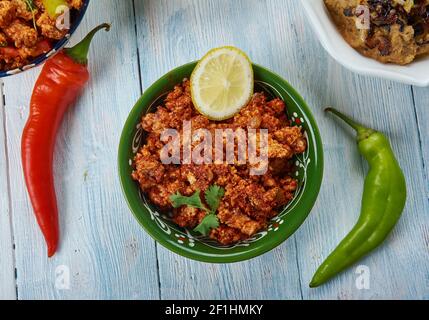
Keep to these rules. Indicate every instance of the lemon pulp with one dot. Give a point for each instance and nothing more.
(222, 83)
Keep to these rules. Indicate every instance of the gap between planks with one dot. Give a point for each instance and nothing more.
(8, 191)
(419, 133)
(141, 93)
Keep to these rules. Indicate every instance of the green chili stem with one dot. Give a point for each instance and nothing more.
(79, 52)
(361, 131)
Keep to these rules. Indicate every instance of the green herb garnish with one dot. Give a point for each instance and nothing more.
(210, 221)
(32, 8)
(193, 201)
(30, 5)
(213, 196)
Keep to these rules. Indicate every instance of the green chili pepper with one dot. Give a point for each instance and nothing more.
(383, 202)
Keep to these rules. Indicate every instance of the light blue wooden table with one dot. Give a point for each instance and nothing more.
(104, 251)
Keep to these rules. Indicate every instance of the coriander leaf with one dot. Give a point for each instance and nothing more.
(30, 5)
(193, 201)
(209, 222)
(213, 196)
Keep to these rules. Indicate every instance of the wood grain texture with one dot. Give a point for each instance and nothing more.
(104, 249)
(276, 35)
(171, 33)
(7, 263)
(399, 268)
(421, 98)
(110, 256)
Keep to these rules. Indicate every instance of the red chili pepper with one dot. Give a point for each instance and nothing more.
(61, 81)
(9, 52)
(43, 46)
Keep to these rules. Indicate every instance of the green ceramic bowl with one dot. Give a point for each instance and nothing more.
(309, 171)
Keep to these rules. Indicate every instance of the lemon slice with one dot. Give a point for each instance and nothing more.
(222, 83)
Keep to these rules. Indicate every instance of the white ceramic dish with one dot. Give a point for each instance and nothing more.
(417, 73)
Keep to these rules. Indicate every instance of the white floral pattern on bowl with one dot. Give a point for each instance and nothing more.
(187, 238)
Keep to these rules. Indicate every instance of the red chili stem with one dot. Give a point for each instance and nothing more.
(79, 53)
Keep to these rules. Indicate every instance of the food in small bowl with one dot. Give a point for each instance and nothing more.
(213, 210)
(31, 30)
(246, 202)
(389, 31)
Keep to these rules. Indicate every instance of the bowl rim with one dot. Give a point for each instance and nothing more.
(123, 163)
(58, 46)
(401, 74)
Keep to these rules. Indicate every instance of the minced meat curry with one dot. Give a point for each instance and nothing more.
(250, 201)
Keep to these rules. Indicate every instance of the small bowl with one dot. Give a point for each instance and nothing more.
(416, 73)
(57, 47)
(309, 171)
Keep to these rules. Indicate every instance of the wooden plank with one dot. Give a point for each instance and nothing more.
(398, 269)
(174, 32)
(421, 100)
(103, 249)
(7, 263)
(108, 254)
(275, 34)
